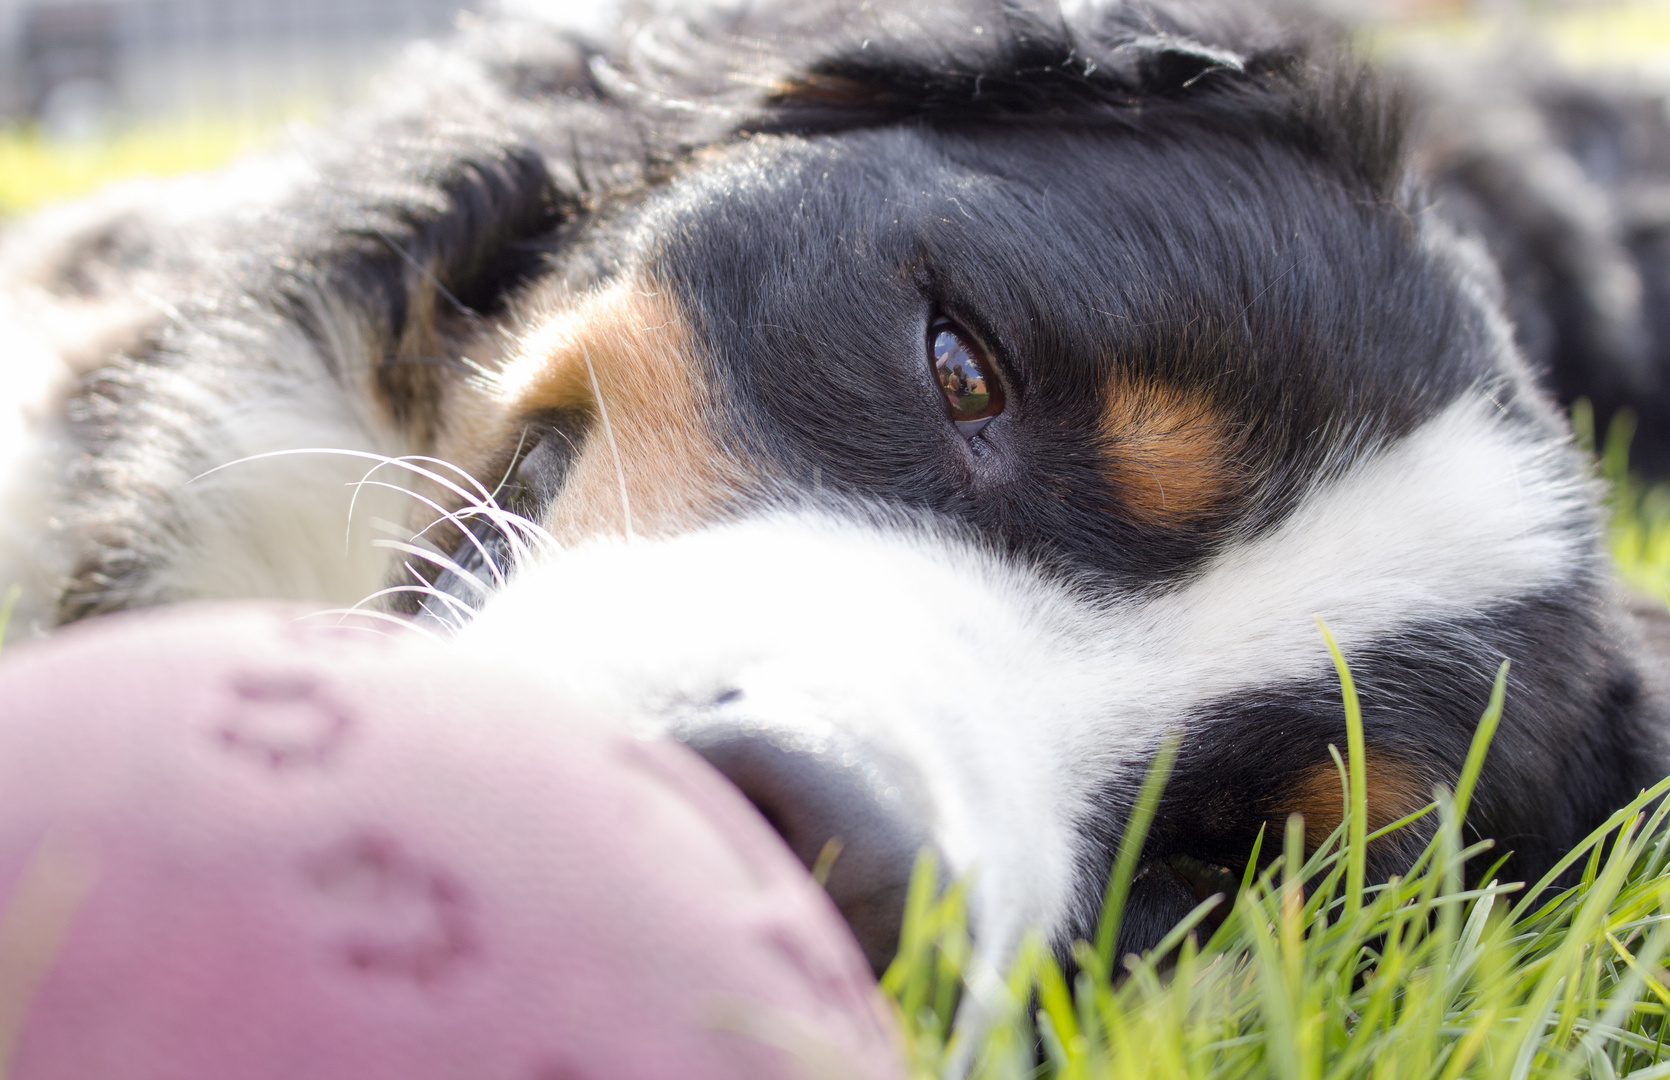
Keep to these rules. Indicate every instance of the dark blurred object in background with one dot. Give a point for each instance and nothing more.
(77, 66)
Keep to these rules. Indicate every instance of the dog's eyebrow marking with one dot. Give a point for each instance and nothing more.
(626, 352)
(1396, 789)
(1168, 451)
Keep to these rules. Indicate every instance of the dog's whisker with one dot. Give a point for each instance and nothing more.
(364, 455)
(420, 590)
(609, 437)
(438, 559)
(410, 462)
(507, 521)
(407, 463)
(482, 494)
(463, 611)
(450, 516)
(510, 469)
(353, 504)
(523, 539)
(358, 611)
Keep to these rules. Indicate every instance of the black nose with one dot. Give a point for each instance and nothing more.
(814, 794)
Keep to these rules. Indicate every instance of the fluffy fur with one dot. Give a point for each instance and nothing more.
(623, 342)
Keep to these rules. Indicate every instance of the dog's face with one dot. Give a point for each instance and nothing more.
(925, 478)
(922, 432)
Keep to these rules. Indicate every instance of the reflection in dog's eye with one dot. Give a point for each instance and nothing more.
(966, 377)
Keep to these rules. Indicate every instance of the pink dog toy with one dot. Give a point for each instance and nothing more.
(239, 846)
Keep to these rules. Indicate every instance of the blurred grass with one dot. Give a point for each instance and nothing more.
(1610, 36)
(8, 604)
(1639, 533)
(35, 170)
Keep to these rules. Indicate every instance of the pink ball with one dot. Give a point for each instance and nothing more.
(239, 846)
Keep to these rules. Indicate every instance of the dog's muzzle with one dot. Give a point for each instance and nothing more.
(874, 692)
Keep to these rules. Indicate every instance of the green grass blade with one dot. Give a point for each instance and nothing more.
(1130, 850)
(1357, 761)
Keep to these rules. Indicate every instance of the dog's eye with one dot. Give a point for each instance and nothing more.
(967, 377)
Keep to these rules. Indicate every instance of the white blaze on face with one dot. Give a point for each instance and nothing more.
(1016, 699)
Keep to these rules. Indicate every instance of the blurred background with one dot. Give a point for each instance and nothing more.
(92, 90)
(95, 89)
(77, 66)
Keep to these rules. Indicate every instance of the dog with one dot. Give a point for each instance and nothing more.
(922, 411)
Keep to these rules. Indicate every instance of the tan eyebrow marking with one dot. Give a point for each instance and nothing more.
(1168, 451)
(660, 467)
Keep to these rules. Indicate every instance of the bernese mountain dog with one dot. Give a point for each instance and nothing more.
(921, 409)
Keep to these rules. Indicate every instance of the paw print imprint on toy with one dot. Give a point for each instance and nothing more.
(392, 913)
(283, 720)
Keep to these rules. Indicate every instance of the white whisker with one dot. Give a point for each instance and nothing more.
(483, 496)
(430, 591)
(358, 612)
(439, 560)
(521, 537)
(464, 610)
(455, 517)
(609, 436)
(509, 470)
(353, 502)
(365, 455)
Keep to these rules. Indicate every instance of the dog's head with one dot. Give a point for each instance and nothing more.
(1002, 394)
(938, 412)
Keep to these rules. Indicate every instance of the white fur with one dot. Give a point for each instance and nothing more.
(1015, 698)
(32, 453)
(268, 521)
(49, 338)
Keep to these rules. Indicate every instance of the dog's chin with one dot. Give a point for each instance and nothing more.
(876, 693)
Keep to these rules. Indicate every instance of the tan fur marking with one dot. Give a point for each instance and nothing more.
(1395, 790)
(1168, 450)
(814, 88)
(632, 343)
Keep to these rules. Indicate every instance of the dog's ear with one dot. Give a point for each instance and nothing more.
(1165, 64)
(346, 313)
(1237, 67)
(997, 62)
(1036, 75)
(435, 212)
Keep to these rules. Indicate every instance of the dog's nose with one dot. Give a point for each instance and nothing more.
(849, 807)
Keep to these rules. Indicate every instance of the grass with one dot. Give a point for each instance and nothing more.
(35, 170)
(1608, 36)
(1316, 974)
(1639, 536)
(8, 604)
(1421, 978)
